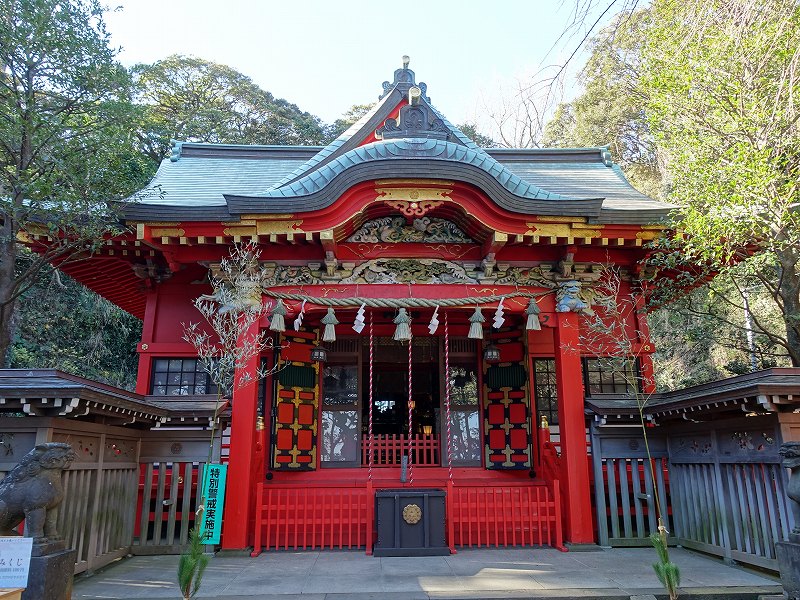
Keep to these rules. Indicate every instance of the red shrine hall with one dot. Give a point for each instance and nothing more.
(425, 297)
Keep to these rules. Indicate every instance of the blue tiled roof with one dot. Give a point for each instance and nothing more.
(410, 149)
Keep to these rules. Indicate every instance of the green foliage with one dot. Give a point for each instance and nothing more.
(721, 80)
(191, 566)
(471, 131)
(342, 124)
(667, 572)
(191, 99)
(65, 107)
(62, 325)
(610, 111)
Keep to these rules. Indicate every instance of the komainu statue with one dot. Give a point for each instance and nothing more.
(33, 491)
(790, 453)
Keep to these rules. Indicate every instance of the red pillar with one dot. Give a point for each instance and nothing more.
(143, 373)
(572, 430)
(241, 485)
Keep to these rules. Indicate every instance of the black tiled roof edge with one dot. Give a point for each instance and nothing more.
(739, 389)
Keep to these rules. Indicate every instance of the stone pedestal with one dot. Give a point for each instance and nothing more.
(50, 576)
(789, 565)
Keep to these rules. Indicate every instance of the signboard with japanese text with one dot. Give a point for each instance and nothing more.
(214, 493)
(15, 561)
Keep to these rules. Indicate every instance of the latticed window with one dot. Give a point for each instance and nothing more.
(180, 377)
(545, 390)
(608, 375)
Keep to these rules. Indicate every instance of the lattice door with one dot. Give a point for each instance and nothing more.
(296, 404)
(507, 407)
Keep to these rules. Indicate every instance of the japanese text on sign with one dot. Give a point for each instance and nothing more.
(15, 561)
(214, 493)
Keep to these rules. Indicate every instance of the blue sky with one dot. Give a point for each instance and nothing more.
(327, 56)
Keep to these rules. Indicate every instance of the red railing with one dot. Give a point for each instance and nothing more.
(307, 518)
(523, 515)
(335, 517)
(388, 450)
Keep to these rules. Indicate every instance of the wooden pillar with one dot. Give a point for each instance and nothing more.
(240, 494)
(644, 348)
(143, 372)
(572, 430)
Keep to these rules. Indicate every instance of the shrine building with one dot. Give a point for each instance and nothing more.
(425, 297)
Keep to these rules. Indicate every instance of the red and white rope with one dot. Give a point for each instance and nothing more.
(447, 398)
(371, 363)
(410, 420)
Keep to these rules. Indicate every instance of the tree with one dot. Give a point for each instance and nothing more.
(611, 109)
(195, 100)
(722, 81)
(343, 123)
(471, 131)
(64, 113)
(87, 335)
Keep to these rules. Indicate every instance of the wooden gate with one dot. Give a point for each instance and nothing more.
(626, 493)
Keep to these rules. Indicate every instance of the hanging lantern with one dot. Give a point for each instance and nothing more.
(403, 322)
(330, 321)
(427, 429)
(298, 322)
(319, 354)
(278, 323)
(491, 353)
(533, 316)
(476, 327)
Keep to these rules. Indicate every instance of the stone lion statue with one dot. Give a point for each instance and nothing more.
(33, 491)
(790, 453)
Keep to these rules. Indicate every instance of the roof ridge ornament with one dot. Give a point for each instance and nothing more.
(404, 80)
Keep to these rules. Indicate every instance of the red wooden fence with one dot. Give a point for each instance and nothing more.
(304, 518)
(523, 515)
(331, 516)
(388, 450)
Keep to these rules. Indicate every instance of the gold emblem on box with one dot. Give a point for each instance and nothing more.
(412, 514)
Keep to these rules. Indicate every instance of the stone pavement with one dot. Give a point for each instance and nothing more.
(619, 573)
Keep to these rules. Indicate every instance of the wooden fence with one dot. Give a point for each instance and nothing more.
(333, 516)
(625, 490)
(729, 489)
(388, 450)
(102, 515)
(720, 484)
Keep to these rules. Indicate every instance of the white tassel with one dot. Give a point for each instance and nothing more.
(298, 322)
(434, 324)
(330, 321)
(476, 327)
(278, 323)
(533, 316)
(403, 322)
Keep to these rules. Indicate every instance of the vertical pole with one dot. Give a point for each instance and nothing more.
(241, 487)
(410, 418)
(572, 429)
(143, 373)
(371, 376)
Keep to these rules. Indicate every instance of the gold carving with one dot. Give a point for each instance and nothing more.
(414, 208)
(412, 514)
(564, 230)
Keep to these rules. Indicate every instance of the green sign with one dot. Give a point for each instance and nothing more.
(214, 493)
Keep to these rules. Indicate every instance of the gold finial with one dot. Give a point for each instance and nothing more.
(406, 60)
(545, 424)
